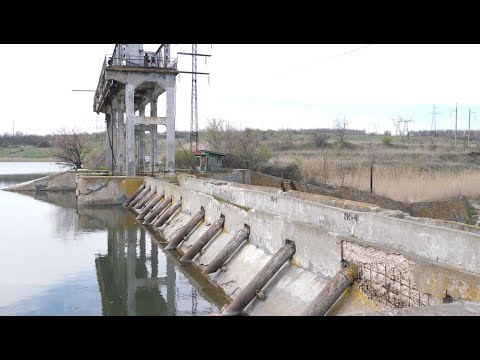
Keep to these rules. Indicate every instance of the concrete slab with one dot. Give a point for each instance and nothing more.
(288, 293)
(461, 308)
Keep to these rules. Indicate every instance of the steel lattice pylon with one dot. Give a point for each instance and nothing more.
(194, 110)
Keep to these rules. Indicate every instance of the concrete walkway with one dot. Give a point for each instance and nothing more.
(460, 308)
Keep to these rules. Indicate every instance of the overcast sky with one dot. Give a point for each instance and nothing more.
(262, 86)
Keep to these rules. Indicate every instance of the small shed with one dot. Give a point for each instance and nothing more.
(209, 160)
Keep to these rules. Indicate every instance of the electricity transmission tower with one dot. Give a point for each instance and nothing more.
(194, 108)
(401, 127)
(194, 102)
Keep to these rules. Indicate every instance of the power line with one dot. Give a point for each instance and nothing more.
(348, 52)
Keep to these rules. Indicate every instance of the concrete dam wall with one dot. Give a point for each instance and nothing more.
(300, 243)
(56, 182)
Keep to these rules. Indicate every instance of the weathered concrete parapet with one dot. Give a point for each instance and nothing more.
(317, 257)
(101, 190)
(57, 182)
(431, 241)
(402, 260)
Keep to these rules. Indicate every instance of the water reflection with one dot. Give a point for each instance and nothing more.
(137, 278)
(90, 261)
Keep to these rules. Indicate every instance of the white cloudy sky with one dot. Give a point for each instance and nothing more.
(263, 86)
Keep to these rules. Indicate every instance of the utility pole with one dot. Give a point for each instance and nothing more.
(468, 135)
(469, 114)
(433, 130)
(456, 113)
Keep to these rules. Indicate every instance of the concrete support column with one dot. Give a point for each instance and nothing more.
(113, 136)
(153, 135)
(115, 117)
(153, 151)
(141, 142)
(130, 131)
(121, 136)
(170, 156)
(108, 151)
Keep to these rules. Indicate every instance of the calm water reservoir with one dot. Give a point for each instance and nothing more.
(60, 259)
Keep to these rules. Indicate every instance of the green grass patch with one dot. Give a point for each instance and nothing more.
(25, 152)
(472, 212)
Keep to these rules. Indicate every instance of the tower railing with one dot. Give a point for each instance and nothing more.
(152, 60)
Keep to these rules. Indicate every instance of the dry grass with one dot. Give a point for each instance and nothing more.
(415, 178)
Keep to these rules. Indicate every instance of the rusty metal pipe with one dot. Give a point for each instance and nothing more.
(145, 200)
(260, 280)
(332, 291)
(139, 197)
(185, 230)
(203, 240)
(167, 214)
(157, 210)
(150, 206)
(227, 251)
(129, 200)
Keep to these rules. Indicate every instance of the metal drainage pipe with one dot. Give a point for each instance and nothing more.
(332, 291)
(185, 230)
(167, 214)
(157, 210)
(203, 240)
(139, 197)
(150, 206)
(145, 200)
(135, 194)
(260, 280)
(227, 251)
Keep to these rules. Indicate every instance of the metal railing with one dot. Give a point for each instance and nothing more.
(149, 61)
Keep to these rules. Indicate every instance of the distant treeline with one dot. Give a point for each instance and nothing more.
(26, 140)
(7, 139)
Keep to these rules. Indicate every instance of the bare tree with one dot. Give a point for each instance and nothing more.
(71, 147)
(320, 139)
(324, 155)
(214, 134)
(340, 126)
(249, 148)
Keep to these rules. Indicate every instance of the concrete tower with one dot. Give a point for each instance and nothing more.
(132, 78)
